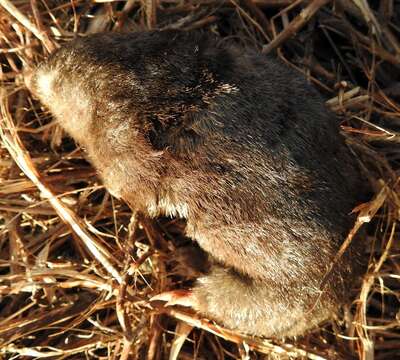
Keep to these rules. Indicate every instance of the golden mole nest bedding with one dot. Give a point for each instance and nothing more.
(77, 276)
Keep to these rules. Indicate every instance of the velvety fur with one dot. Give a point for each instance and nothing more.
(235, 142)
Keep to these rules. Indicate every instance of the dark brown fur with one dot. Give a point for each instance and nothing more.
(235, 142)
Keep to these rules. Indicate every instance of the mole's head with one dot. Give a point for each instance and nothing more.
(151, 82)
(58, 86)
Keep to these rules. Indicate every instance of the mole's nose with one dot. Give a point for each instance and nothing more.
(28, 79)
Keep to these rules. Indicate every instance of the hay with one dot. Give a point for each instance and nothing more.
(75, 281)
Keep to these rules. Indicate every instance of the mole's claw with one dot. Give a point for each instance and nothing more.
(177, 297)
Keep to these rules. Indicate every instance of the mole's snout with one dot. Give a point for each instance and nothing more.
(28, 79)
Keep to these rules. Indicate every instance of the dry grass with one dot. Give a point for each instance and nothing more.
(75, 281)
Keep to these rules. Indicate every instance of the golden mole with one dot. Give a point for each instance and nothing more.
(236, 143)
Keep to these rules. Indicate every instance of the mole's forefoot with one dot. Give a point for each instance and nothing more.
(177, 297)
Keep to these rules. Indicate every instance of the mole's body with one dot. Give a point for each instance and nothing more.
(234, 142)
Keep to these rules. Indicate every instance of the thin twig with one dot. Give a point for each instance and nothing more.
(49, 45)
(295, 25)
